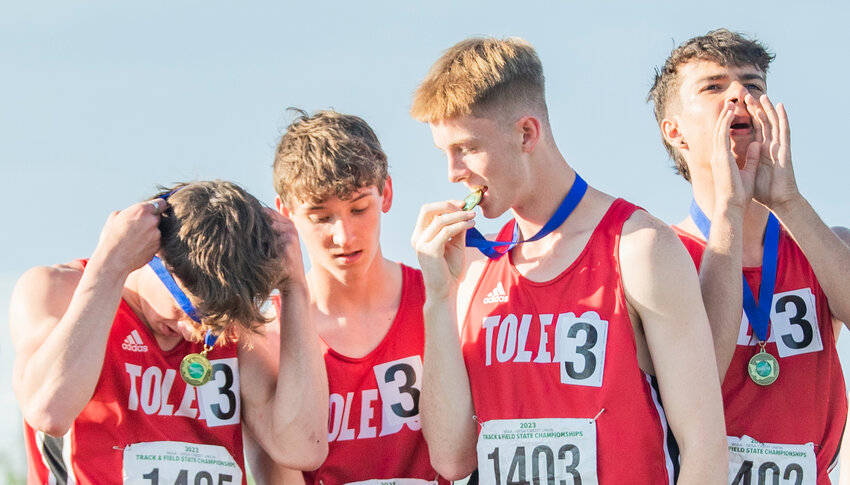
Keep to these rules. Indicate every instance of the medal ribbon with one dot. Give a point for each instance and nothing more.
(497, 249)
(758, 313)
(168, 280)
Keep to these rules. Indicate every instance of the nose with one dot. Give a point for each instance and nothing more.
(456, 167)
(736, 92)
(342, 231)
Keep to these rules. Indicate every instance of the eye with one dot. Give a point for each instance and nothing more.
(711, 87)
(755, 87)
(319, 219)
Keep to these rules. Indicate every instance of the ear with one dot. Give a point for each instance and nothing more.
(280, 206)
(672, 135)
(531, 131)
(387, 195)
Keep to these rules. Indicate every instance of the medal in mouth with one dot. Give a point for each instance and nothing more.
(473, 199)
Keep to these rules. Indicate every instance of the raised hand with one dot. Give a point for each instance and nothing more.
(289, 250)
(775, 183)
(130, 238)
(732, 185)
(439, 241)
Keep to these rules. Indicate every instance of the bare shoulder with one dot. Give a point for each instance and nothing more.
(653, 260)
(843, 233)
(42, 292)
(644, 234)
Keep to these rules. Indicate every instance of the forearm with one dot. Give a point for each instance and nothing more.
(300, 403)
(446, 402)
(721, 283)
(703, 464)
(58, 379)
(826, 252)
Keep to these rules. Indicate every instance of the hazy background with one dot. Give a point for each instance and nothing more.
(100, 101)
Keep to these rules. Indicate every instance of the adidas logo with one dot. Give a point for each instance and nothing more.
(133, 343)
(498, 295)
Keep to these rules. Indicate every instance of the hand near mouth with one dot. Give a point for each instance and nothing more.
(733, 187)
(775, 184)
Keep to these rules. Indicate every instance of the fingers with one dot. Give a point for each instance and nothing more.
(442, 228)
(784, 132)
(158, 205)
(758, 118)
(427, 214)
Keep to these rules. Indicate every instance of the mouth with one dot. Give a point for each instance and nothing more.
(349, 256)
(741, 125)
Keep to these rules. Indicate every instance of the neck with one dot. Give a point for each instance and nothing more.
(552, 179)
(371, 289)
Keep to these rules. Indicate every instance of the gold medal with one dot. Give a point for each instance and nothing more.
(763, 367)
(473, 199)
(196, 369)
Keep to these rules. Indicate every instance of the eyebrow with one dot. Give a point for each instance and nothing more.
(745, 77)
(354, 199)
(457, 143)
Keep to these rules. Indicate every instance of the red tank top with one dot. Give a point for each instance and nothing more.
(145, 422)
(564, 348)
(807, 403)
(374, 432)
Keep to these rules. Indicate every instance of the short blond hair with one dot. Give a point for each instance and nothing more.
(325, 155)
(480, 77)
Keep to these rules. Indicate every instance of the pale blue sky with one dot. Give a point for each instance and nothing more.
(100, 101)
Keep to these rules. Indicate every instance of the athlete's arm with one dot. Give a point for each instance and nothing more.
(285, 386)
(60, 319)
(662, 287)
(264, 470)
(776, 187)
(722, 260)
(445, 404)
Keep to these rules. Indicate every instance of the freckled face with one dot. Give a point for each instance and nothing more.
(481, 153)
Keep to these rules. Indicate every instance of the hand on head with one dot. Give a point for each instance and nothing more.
(130, 238)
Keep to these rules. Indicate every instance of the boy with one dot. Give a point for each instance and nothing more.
(331, 178)
(570, 342)
(783, 388)
(99, 345)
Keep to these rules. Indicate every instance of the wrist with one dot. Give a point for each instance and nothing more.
(789, 206)
(107, 268)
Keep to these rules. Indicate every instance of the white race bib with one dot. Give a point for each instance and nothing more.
(551, 450)
(754, 463)
(394, 481)
(172, 462)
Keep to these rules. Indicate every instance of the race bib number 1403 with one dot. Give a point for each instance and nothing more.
(551, 451)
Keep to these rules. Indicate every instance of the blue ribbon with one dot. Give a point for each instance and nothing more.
(168, 280)
(758, 313)
(497, 249)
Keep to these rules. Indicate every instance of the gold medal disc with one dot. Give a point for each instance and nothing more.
(472, 199)
(195, 369)
(763, 368)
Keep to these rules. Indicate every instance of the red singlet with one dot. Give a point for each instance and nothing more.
(807, 403)
(374, 429)
(144, 423)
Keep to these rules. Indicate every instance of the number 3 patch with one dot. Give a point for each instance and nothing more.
(399, 383)
(795, 323)
(580, 344)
